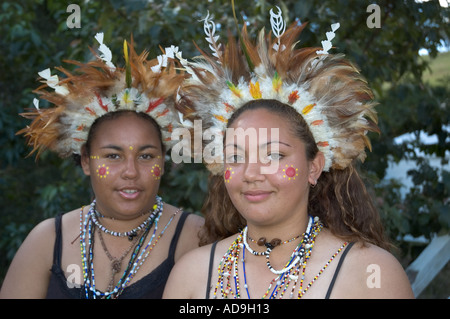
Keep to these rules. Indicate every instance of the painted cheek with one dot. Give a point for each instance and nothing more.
(228, 175)
(156, 171)
(289, 172)
(102, 171)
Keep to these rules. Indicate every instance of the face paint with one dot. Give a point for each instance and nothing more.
(131, 148)
(228, 174)
(94, 157)
(156, 171)
(102, 171)
(290, 172)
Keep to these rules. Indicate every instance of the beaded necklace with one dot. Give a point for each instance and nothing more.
(138, 257)
(132, 233)
(294, 269)
(116, 263)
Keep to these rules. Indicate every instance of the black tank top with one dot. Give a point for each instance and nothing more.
(149, 287)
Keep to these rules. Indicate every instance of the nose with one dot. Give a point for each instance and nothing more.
(130, 170)
(252, 172)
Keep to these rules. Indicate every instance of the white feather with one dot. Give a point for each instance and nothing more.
(106, 55)
(278, 26)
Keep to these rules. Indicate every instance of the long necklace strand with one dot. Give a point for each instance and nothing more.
(90, 289)
(87, 229)
(116, 263)
(292, 274)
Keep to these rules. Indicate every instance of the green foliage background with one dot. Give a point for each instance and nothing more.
(34, 36)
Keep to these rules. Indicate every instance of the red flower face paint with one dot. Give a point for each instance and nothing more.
(228, 175)
(102, 171)
(156, 171)
(290, 172)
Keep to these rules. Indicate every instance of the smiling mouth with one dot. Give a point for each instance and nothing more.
(129, 193)
(256, 196)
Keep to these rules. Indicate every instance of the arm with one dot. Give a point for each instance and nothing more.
(29, 273)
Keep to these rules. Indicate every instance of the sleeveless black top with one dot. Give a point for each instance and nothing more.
(149, 287)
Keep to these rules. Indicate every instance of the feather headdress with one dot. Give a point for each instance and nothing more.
(99, 87)
(326, 90)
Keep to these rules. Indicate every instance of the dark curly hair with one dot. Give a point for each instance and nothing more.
(340, 197)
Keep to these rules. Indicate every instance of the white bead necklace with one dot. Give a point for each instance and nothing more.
(296, 257)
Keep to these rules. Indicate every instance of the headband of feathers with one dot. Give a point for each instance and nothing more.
(97, 88)
(326, 90)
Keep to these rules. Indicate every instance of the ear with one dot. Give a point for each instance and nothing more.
(85, 160)
(316, 168)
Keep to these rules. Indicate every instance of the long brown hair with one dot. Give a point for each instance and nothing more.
(340, 197)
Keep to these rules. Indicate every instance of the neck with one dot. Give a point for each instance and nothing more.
(125, 223)
(284, 232)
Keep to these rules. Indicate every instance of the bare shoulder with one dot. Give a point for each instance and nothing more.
(189, 275)
(193, 224)
(189, 237)
(372, 272)
(28, 274)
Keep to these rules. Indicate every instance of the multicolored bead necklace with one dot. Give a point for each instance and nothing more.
(297, 254)
(289, 275)
(132, 233)
(138, 257)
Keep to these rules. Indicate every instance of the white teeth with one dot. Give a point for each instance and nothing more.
(129, 191)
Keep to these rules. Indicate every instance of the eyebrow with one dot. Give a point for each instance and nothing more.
(266, 144)
(119, 148)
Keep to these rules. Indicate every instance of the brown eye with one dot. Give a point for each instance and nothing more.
(147, 156)
(274, 156)
(113, 156)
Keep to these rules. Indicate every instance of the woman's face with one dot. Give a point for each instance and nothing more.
(125, 165)
(268, 199)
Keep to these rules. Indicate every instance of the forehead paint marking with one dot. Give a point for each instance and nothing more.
(131, 148)
(290, 172)
(156, 171)
(102, 171)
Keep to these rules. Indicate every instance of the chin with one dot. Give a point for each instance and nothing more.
(260, 218)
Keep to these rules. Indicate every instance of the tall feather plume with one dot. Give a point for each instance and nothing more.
(127, 64)
(244, 48)
(95, 88)
(340, 95)
(209, 28)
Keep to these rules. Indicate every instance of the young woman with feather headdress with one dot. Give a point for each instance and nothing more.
(117, 123)
(287, 215)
